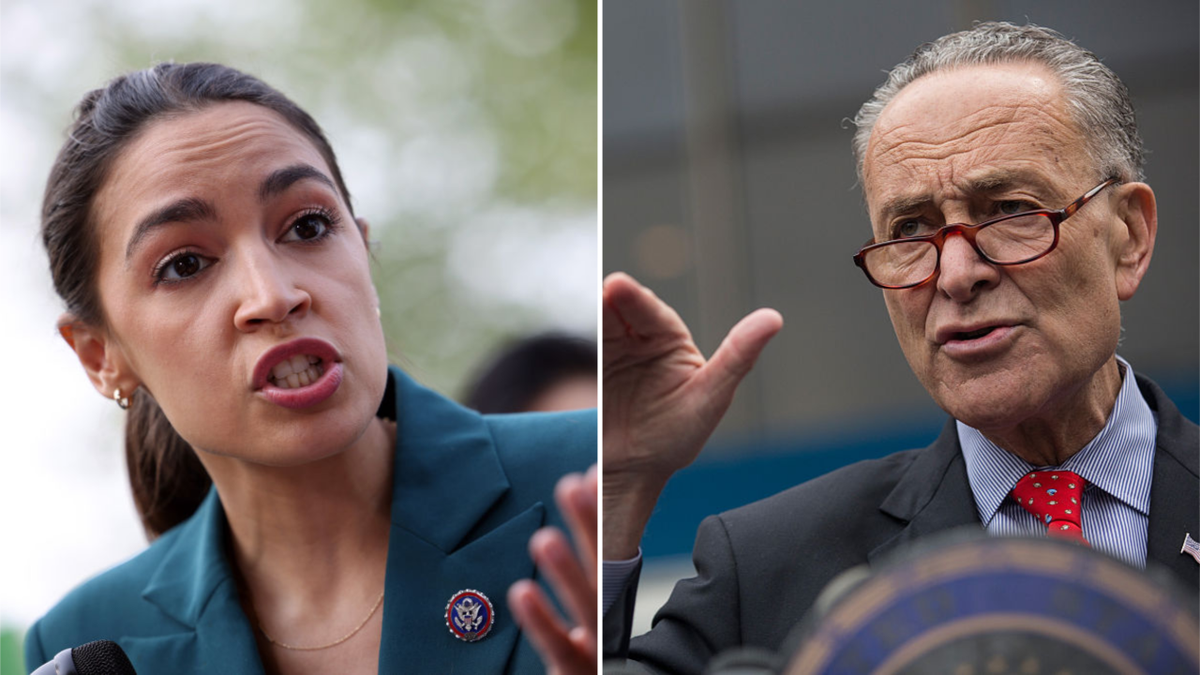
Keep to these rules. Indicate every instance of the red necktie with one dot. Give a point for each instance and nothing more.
(1055, 497)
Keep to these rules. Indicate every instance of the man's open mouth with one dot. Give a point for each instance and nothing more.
(975, 334)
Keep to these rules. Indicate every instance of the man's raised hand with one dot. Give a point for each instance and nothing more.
(662, 399)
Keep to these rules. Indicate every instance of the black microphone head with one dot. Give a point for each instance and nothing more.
(102, 657)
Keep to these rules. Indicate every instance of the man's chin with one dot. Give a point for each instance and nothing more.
(996, 402)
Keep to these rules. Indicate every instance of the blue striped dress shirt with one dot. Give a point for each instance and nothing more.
(1118, 465)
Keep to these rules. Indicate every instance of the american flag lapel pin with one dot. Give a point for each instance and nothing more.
(1191, 546)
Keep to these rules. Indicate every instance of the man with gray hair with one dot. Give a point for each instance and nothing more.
(1001, 169)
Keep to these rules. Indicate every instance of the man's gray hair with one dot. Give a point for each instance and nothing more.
(1096, 98)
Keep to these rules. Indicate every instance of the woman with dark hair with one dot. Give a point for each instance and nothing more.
(312, 508)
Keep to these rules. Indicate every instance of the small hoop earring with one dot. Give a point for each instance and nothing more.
(378, 312)
(122, 401)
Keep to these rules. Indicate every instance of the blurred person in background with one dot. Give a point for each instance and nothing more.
(312, 509)
(1001, 168)
(541, 373)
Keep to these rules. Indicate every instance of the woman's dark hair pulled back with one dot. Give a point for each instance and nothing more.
(168, 481)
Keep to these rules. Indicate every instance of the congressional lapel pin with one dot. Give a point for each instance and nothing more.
(1191, 546)
(469, 615)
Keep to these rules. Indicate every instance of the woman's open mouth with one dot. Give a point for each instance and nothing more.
(299, 374)
(299, 371)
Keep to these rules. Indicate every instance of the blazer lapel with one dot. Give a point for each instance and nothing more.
(449, 533)
(423, 578)
(221, 642)
(932, 496)
(193, 586)
(1175, 490)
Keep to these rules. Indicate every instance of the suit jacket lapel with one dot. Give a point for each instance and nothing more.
(1175, 490)
(932, 496)
(448, 535)
(193, 586)
(935, 495)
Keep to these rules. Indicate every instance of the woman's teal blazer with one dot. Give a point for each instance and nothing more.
(469, 491)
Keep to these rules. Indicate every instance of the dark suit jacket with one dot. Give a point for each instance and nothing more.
(468, 493)
(759, 568)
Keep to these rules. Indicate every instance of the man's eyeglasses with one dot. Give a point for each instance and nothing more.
(1007, 240)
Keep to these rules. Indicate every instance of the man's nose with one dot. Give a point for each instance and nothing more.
(963, 272)
(268, 292)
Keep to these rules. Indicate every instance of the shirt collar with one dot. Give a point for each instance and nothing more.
(1119, 460)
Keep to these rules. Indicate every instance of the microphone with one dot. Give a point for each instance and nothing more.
(102, 657)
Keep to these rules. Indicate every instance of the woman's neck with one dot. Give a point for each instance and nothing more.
(310, 540)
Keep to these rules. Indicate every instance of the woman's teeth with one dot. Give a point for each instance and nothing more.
(299, 371)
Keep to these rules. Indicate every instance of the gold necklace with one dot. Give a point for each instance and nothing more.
(347, 636)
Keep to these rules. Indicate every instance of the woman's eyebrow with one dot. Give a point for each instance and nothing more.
(281, 179)
(191, 209)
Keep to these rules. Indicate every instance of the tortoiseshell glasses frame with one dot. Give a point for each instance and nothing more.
(1008, 240)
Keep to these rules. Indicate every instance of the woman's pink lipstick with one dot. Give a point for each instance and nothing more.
(304, 396)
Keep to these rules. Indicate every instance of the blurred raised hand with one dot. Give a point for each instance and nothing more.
(662, 399)
(565, 648)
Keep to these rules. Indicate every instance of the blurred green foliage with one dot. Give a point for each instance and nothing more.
(12, 654)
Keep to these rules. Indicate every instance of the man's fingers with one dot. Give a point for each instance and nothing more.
(614, 326)
(555, 559)
(638, 310)
(577, 497)
(739, 351)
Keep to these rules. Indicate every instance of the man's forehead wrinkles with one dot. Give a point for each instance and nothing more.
(917, 160)
(902, 144)
(950, 184)
(1000, 120)
(932, 173)
(923, 145)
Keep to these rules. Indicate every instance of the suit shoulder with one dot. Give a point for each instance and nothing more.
(836, 500)
(105, 607)
(1177, 435)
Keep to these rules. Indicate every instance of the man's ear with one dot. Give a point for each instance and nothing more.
(1133, 244)
(100, 356)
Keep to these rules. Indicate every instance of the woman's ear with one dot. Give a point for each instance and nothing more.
(1134, 244)
(365, 228)
(100, 355)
